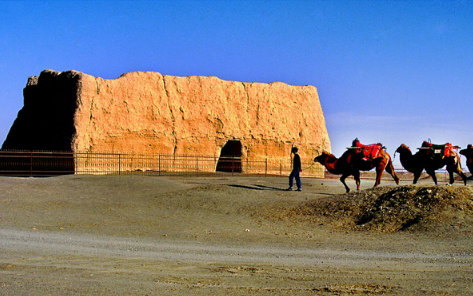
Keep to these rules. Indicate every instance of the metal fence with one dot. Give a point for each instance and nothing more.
(36, 163)
(47, 163)
(51, 163)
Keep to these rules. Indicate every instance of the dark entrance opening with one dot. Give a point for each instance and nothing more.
(230, 157)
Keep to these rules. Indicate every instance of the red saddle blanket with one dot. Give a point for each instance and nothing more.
(440, 150)
(370, 151)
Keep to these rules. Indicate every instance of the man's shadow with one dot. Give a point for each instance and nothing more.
(263, 187)
(257, 187)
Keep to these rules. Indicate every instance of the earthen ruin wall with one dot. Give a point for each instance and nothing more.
(146, 112)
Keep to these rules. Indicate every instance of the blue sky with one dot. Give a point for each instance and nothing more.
(386, 71)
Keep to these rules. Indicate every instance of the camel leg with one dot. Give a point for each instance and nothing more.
(390, 170)
(458, 170)
(452, 180)
(356, 175)
(416, 177)
(379, 172)
(432, 174)
(342, 179)
(463, 175)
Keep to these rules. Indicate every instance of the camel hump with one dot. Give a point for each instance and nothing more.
(356, 143)
(426, 144)
(370, 151)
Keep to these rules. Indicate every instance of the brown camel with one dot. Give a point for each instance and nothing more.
(427, 158)
(375, 156)
(411, 162)
(342, 165)
(353, 161)
(468, 152)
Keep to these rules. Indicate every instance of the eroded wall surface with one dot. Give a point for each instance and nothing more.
(146, 112)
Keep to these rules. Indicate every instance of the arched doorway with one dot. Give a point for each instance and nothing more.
(230, 157)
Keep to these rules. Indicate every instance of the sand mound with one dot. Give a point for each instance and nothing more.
(391, 209)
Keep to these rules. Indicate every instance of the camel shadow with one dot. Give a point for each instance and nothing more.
(257, 187)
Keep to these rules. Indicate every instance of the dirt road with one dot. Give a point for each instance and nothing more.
(140, 235)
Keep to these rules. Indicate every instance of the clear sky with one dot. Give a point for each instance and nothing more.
(386, 71)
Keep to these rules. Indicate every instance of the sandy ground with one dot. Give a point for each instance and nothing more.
(145, 235)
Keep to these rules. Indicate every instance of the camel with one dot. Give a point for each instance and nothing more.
(353, 161)
(342, 165)
(412, 163)
(426, 159)
(468, 152)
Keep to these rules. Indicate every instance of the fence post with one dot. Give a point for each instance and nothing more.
(31, 163)
(266, 167)
(233, 163)
(119, 164)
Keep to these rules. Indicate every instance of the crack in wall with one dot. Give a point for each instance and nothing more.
(247, 98)
(91, 107)
(78, 103)
(173, 119)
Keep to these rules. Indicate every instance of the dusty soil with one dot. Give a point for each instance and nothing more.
(232, 235)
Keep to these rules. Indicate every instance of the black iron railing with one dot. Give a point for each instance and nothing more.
(47, 163)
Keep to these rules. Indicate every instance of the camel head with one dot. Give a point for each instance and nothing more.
(468, 151)
(322, 157)
(402, 148)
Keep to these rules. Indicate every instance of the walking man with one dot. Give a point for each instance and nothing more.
(296, 169)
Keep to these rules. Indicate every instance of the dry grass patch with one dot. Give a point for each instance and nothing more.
(387, 209)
